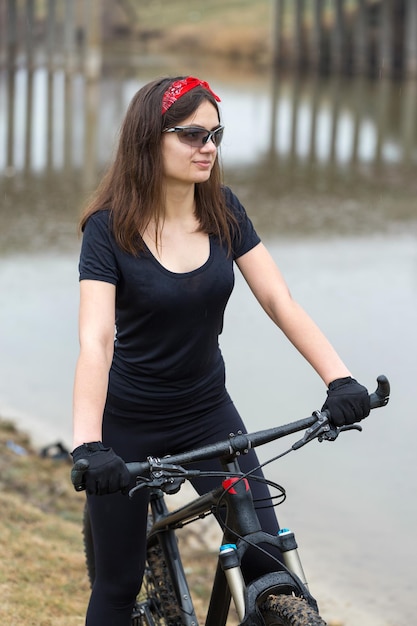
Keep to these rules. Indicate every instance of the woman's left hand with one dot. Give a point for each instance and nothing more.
(347, 401)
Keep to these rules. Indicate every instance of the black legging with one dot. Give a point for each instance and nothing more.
(119, 523)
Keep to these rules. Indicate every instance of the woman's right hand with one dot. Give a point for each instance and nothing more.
(347, 401)
(106, 472)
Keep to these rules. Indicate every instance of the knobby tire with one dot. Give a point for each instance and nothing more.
(157, 594)
(283, 610)
(88, 546)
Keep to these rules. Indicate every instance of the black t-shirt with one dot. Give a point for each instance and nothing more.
(166, 354)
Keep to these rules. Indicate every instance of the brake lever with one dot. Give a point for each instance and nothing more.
(137, 488)
(351, 427)
(159, 469)
(334, 431)
(318, 430)
(167, 484)
(161, 477)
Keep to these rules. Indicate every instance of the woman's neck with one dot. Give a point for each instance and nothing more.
(179, 202)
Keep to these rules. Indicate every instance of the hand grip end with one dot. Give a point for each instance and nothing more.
(78, 474)
(380, 397)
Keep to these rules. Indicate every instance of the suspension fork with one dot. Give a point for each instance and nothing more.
(240, 516)
(246, 521)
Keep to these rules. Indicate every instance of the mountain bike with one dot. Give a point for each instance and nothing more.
(280, 598)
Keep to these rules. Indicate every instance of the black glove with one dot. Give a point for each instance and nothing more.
(106, 473)
(347, 401)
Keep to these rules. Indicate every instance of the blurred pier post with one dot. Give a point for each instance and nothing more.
(29, 50)
(277, 28)
(338, 38)
(92, 71)
(300, 52)
(410, 47)
(51, 64)
(360, 40)
(316, 37)
(70, 36)
(386, 39)
(11, 54)
(92, 52)
(50, 34)
(70, 64)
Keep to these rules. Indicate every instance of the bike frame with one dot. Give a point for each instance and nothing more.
(242, 525)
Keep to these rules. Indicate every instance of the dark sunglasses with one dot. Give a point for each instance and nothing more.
(195, 136)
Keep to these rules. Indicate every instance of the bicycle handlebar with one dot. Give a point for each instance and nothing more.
(380, 397)
(241, 443)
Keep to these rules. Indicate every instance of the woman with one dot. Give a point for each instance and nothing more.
(160, 239)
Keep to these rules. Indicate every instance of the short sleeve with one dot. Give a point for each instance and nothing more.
(97, 258)
(244, 237)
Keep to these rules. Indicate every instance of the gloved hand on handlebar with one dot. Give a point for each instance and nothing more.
(106, 473)
(347, 401)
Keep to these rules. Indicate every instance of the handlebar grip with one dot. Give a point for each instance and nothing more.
(380, 396)
(78, 474)
(138, 468)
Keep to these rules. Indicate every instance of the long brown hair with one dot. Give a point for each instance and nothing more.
(132, 188)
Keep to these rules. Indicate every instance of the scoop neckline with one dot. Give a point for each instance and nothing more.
(169, 272)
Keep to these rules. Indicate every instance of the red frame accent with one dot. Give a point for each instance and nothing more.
(228, 483)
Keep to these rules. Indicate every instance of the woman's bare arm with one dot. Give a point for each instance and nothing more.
(270, 289)
(96, 333)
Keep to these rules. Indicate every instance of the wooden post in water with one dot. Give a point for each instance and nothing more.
(69, 36)
(11, 53)
(50, 34)
(385, 39)
(384, 91)
(70, 62)
(409, 122)
(51, 63)
(314, 115)
(277, 26)
(338, 37)
(92, 69)
(335, 113)
(28, 35)
(299, 54)
(410, 46)
(92, 60)
(316, 39)
(29, 41)
(11, 32)
(360, 40)
(294, 118)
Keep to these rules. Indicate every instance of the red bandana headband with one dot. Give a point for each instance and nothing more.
(180, 87)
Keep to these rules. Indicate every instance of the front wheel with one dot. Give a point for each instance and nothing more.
(283, 610)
